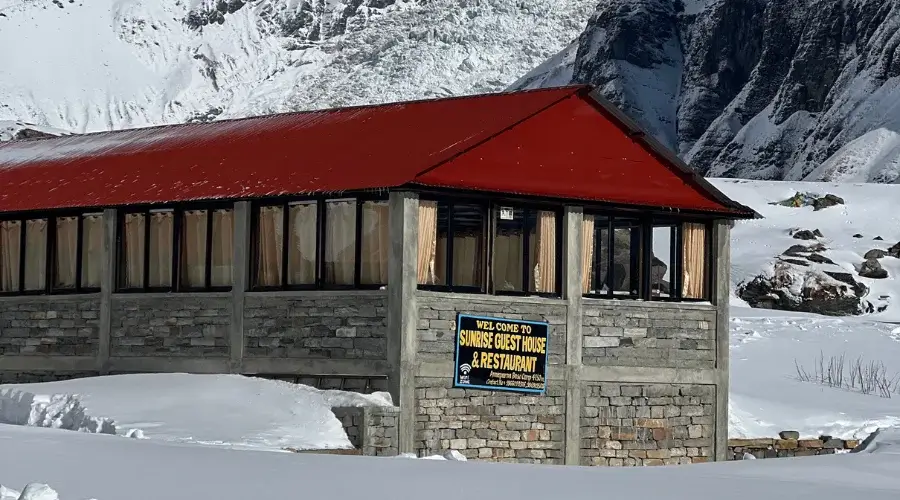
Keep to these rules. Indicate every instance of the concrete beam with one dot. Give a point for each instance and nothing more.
(107, 287)
(402, 340)
(241, 255)
(721, 298)
(317, 366)
(572, 293)
(167, 364)
(32, 363)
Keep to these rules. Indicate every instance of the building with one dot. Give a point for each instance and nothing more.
(345, 244)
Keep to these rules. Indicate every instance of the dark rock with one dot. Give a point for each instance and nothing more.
(840, 296)
(847, 278)
(804, 234)
(820, 259)
(875, 253)
(894, 251)
(829, 200)
(818, 234)
(857, 235)
(879, 238)
(872, 269)
(789, 435)
(796, 262)
(797, 250)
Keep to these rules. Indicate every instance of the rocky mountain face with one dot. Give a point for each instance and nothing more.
(757, 89)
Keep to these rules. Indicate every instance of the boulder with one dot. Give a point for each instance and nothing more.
(797, 250)
(790, 288)
(871, 268)
(894, 251)
(875, 253)
(789, 435)
(857, 235)
(804, 234)
(879, 238)
(829, 200)
(797, 262)
(820, 259)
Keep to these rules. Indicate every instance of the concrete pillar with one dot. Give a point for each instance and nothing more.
(240, 286)
(107, 287)
(572, 293)
(721, 295)
(402, 343)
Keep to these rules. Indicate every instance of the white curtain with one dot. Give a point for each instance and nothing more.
(694, 248)
(376, 244)
(193, 249)
(91, 250)
(427, 254)
(302, 244)
(161, 233)
(222, 253)
(134, 250)
(35, 254)
(10, 237)
(340, 239)
(66, 252)
(269, 247)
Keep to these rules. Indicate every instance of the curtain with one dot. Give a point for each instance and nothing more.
(694, 261)
(134, 250)
(269, 246)
(222, 252)
(544, 260)
(91, 250)
(35, 254)
(10, 237)
(66, 252)
(161, 233)
(376, 243)
(427, 242)
(587, 253)
(340, 239)
(508, 255)
(467, 260)
(302, 244)
(193, 249)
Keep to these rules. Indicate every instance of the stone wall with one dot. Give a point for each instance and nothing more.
(22, 377)
(58, 325)
(170, 325)
(647, 424)
(437, 320)
(346, 325)
(788, 445)
(371, 429)
(624, 333)
(491, 426)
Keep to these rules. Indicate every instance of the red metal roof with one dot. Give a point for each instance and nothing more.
(561, 143)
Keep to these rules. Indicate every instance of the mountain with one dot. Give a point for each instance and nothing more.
(755, 89)
(84, 66)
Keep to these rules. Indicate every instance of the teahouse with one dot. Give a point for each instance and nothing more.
(531, 276)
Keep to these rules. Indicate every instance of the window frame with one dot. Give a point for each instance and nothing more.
(178, 211)
(321, 225)
(529, 209)
(51, 269)
(487, 240)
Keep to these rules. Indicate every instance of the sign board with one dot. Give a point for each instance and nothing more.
(506, 213)
(497, 354)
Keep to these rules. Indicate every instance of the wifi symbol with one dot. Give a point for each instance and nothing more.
(465, 368)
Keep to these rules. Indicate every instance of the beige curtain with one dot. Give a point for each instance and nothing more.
(340, 239)
(134, 250)
(222, 252)
(427, 242)
(376, 243)
(694, 261)
(507, 262)
(544, 263)
(10, 237)
(35, 254)
(162, 225)
(587, 253)
(193, 249)
(66, 252)
(467, 261)
(269, 247)
(302, 244)
(91, 250)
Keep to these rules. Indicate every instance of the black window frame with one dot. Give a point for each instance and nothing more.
(321, 225)
(487, 241)
(530, 211)
(50, 265)
(178, 211)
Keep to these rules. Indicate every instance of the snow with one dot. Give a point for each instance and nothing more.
(872, 157)
(81, 466)
(218, 410)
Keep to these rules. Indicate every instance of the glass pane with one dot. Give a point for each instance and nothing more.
(35, 254)
(376, 243)
(509, 250)
(91, 250)
(468, 245)
(438, 272)
(302, 244)
(270, 239)
(10, 241)
(625, 275)
(428, 237)
(695, 266)
(66, 252)
(661, 263)
(133, 251)
(162, 227)
(222, 253)
(193, 249)
(340, 242)
(542, 256)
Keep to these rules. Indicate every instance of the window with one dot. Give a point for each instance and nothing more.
(56, 254)
(525, 251)
(176, 249)
(335, 243)
(452, 245)
(618, 262)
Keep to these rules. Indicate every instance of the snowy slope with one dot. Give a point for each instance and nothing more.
(109, 64)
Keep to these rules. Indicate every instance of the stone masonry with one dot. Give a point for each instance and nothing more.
(371, 429)
(647, 424)
(170, 326)
(491, 426)
(343, 325)
(62, 326)
(787, 445)
(635, 334)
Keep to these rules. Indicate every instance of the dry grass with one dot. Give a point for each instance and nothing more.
(859, 375)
